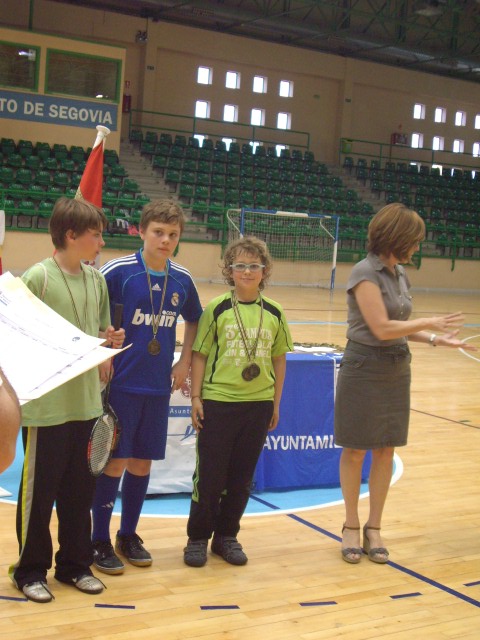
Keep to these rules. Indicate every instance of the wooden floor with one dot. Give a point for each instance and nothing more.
(296, 585)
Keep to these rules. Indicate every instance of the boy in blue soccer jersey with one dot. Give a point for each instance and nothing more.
(238, 369)
(154, 292)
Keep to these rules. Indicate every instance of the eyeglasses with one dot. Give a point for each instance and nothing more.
(254, 267)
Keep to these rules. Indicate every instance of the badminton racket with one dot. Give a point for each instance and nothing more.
(106, 431)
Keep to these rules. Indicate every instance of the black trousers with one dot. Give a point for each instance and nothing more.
(55, 470)
(228, 448)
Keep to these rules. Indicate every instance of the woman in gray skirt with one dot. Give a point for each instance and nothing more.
(373, 389)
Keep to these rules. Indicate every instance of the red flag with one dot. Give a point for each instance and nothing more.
(91, 184)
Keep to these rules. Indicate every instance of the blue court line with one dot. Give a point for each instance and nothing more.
(317, 604)
(472, 584)
(410, 572)
(14, 598)
(432, 415)
(115, 606)
(406, 595)
(212, 607)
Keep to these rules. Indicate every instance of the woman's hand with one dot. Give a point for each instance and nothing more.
(447, 324)
(450, 340)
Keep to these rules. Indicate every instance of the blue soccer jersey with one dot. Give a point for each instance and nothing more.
(136, 370)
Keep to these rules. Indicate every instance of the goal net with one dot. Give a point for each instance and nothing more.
(303, 245)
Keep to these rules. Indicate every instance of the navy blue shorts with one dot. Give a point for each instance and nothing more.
(144, 422)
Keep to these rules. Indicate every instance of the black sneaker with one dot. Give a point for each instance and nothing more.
(195, 553)
(230, 549)
(132, 548)
(105, 559)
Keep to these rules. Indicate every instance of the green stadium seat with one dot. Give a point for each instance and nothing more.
(177, 151)
(165, 138)
(43, 178)
(61, 179)
(36, 192)
(203, 179)
(135, 136)
(151, 137)
(51, 164)
(33, 163)
(160, 163)
(7, 176)
(186, 191)
(218, 180)
(8, 146)
(25, 148)
(130, 186)
(14, 160)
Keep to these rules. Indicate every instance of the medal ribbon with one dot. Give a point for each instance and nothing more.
(251, 353)
(77, 317)
(156, 318)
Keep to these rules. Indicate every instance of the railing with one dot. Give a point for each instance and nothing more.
(240, 132)
(389, 152)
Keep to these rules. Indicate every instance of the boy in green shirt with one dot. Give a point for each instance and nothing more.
(57, 426)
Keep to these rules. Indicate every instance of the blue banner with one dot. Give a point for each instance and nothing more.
(54, 110)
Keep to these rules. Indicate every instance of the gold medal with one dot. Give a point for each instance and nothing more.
(251, 372)
(153, 347)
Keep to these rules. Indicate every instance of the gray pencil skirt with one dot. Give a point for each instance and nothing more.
(372, 402)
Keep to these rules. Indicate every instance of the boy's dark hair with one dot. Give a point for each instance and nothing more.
(75, 215)
(167, 211)
(394, 230)
(253, 247)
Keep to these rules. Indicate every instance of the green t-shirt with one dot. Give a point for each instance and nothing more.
(79, 398)
(220, 340)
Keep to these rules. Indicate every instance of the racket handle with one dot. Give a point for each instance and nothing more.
(117, 316)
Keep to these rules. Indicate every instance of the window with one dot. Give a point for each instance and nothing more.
(477, 121)
(476, 149)
(228, 142)
(259, 84)
(284, 121)
(438, 143)
(200, 138)
(279, 148)
(202, 109)
(204, 75)
(232, 80)
(419, 111)
(254, 145)
(18, 65)
(257, 117)
(417, 140)
(440, 114)
(81, 75)
(230, 113)
(460, 119)
(458, 146)
(286, 89)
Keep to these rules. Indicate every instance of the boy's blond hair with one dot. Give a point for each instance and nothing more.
(167, 211)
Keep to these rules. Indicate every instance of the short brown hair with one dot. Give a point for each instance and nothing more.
(167, 211)
(253, 247)
(75, 215)
(394, 230)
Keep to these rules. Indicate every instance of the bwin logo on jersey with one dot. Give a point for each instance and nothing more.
(146, 318)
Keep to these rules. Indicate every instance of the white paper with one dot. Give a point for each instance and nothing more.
(40, 350)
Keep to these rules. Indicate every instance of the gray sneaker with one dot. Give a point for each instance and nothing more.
(37, 592)
(230, 549)
(195, 553)
(88, 584)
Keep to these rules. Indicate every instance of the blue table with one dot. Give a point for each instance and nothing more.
(299, 453)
